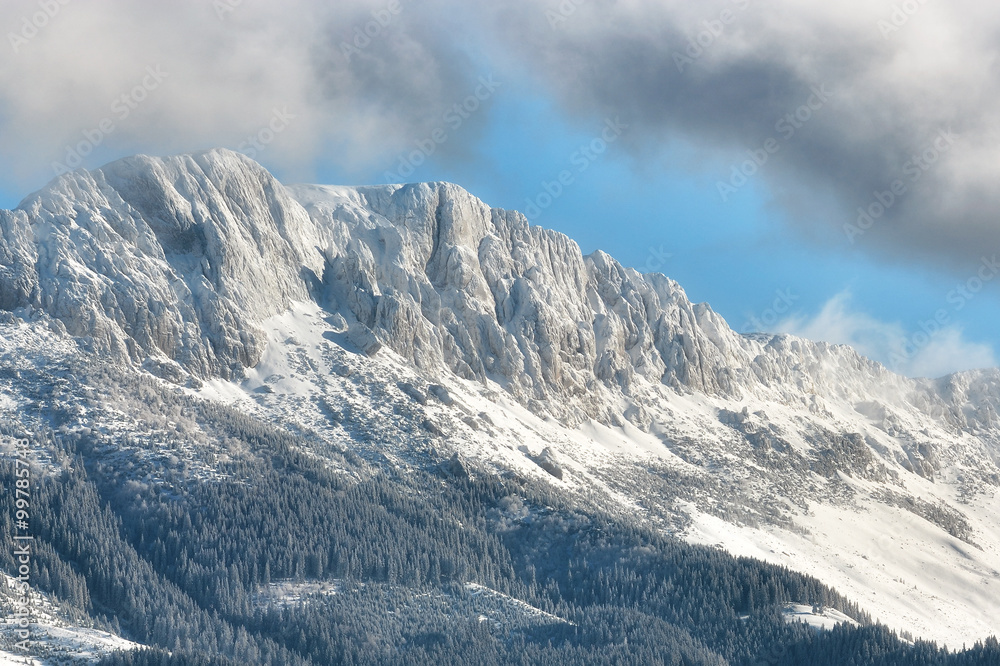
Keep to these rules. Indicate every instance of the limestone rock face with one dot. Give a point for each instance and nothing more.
(176, 257)
(180, 259)
(362, 311)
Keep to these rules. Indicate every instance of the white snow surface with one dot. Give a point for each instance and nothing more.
(54, 636)
(827, 619)
(330, 308)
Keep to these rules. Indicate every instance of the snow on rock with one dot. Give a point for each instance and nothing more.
(482, 340)
(178, 256)
(182, 258)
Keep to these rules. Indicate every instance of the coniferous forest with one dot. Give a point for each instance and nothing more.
(284, 559)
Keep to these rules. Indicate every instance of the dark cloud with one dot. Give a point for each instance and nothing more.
(723, 75)
(364, 80)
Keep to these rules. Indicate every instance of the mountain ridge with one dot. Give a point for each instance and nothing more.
(421, 329)
(428, 269)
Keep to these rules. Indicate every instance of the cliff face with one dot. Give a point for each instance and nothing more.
(184, 257)
(348, 315)
(176, 257)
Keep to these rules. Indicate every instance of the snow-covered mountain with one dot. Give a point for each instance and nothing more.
(420, 315)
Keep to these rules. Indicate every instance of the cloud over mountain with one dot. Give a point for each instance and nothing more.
(897, 155)
(908, 134)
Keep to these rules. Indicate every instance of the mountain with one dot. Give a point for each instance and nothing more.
(405, 329)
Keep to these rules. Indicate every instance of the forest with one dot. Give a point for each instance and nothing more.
(283, 558)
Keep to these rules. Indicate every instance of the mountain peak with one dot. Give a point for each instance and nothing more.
(182, 258)
(397, 319)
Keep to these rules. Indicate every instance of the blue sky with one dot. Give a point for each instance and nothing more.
(773, 256)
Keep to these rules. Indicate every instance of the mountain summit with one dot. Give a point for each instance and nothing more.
(181, 259)
(440, 329)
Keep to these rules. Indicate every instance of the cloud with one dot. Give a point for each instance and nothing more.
(910, 93)
(356, 80)
(724, 74)
(918, 354)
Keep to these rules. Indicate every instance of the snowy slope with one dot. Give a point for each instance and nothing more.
(413, 322)
(694, 476)
(817, 618)
(54, 636)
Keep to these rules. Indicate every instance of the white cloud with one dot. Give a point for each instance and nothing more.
(227, 71)
(932, 353)
(892, 93)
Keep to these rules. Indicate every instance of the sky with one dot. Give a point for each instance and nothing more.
(821, 169)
